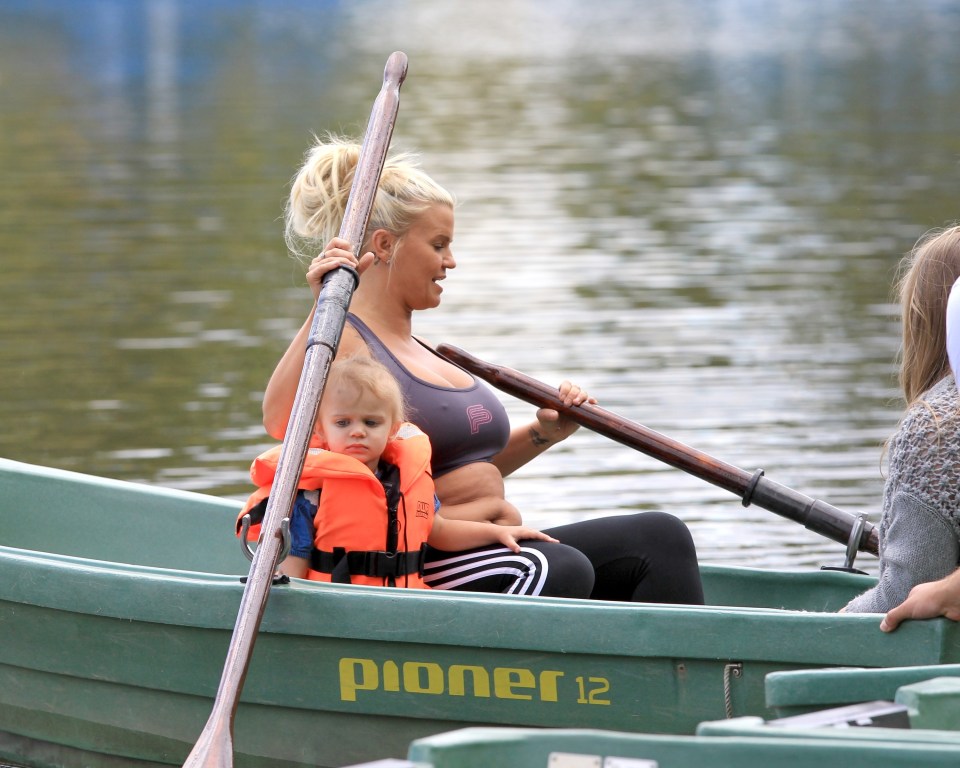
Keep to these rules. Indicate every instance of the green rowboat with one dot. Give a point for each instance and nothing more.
(118, 602)
(737, 745)
(930, 738)
(797, 692)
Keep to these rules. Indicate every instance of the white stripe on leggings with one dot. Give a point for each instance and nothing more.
(497, 562)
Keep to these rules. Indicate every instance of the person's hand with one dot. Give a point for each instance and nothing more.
(337, 253)
(552, 426)
(511, 535)
(927, 601)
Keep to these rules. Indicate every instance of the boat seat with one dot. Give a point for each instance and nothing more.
(795, 692)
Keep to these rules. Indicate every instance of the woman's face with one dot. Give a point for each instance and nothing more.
(423, 257)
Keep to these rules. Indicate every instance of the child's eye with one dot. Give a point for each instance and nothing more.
(342, 423)
(372, 422)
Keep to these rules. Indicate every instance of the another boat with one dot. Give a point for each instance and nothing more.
(118, 602)
(740, 743)
(797, 692)
(919, 728)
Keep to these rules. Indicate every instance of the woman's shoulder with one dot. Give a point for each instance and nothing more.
(937, 405)
(927, 421)
(352, 343)
(925, 451)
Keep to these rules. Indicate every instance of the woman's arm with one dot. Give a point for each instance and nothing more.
(282, 387)
(455, 535)
(917, 545)
(529, 441)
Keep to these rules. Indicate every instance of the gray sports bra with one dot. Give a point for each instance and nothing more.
(464, 425)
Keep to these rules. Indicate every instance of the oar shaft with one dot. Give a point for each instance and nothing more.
(214, 748)
(333, 302)
(752, 488)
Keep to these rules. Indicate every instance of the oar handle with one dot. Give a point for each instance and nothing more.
(752, 488)
(214, 748)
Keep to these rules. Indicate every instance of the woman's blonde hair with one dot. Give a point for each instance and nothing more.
(362, 374)
(319, 193)
(927, 274)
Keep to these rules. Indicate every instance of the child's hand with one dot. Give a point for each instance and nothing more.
(510, 535)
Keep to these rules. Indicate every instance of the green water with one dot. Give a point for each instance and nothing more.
(693, 208)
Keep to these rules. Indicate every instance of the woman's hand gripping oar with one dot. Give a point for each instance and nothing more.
(214, 748)
(817, 516)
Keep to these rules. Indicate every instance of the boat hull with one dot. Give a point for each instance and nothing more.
(743, 745)
(111, 657)
(798, 692)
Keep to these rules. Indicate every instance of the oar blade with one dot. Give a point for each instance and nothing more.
(214, 747)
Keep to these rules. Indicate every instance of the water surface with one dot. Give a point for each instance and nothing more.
(694, 208)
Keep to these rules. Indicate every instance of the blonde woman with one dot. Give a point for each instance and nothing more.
(407, 255)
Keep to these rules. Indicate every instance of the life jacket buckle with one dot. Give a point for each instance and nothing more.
(385, 565)
(380, 564)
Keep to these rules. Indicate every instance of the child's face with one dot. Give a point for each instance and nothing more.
(355, 426)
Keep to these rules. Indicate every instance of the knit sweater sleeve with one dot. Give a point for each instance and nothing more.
(918, 546)
(919, 529)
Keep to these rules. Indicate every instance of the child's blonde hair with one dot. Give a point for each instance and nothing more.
(361, 374)
(319, 193)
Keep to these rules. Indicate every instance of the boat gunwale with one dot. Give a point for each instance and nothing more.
(323, 610)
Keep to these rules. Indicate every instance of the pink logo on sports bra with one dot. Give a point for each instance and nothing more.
(478, 416)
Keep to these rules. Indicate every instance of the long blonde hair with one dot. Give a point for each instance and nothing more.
(320, 189)
(927, 274)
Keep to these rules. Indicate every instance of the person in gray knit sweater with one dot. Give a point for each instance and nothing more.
(935, 598)
(920, 522)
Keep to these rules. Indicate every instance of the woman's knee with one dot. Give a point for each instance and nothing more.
(668, 531)
(567, 571)
(641, 535)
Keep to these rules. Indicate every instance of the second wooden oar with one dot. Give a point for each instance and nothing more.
(214, 748)
(752, 488)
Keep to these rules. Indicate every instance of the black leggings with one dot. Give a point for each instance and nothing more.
(646, 557)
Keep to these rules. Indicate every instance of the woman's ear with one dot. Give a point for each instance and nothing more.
(382, 244)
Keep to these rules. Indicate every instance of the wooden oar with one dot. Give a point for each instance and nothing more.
(754, 488)
(214, 748)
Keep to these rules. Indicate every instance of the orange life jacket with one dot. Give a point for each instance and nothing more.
(353, 523)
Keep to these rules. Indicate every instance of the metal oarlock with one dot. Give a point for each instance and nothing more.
(853, 543)
(284, 534)
(853, 546)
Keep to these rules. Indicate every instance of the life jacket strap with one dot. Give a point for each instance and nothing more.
(377, 564)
